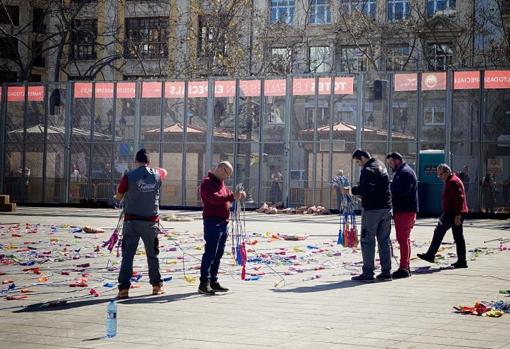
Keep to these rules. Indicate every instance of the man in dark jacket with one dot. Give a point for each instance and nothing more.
(404, 198)
(215, 198)
(374, 189)
(140, 190)
(454, 209)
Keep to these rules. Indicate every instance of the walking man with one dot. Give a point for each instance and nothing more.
(215, 198)
(140, 190)
(404, 198)
(341, 184)
(454, 209)
(374, 189)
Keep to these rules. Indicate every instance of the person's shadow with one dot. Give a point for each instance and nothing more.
(323, 287)
(142, 299)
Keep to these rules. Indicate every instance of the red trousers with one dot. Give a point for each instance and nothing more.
(404, 223)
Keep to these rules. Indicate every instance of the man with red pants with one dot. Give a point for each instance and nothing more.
(454, 210)
(215, 198)
(404, 197)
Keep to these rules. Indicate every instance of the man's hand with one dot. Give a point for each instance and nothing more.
(239, 195)
(457, 220)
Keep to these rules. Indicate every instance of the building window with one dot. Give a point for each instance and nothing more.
(398, 10)
(9, 47)
(367, 7)
(282, 11)
(320, 59)
(320, 12)
(352, 59)
(83, 39)
(397, 57)
(9, 14)
(147, 37)
(211, 39)
(37, 54)
(439, 56)
(38, 25)
(434, 116)
(281, 60)
(433, 6)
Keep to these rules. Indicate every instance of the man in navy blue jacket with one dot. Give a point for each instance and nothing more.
(404, 198)
(374, 189)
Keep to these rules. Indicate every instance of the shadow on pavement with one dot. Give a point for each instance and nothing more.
(323, 287)
(144, 299)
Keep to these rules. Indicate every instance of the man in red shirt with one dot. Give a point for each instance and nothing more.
(215, 198)
(454, 209)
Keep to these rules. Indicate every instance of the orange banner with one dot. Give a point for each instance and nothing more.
(406, 82)
(274, 88)
(174, 89)
(126, 90)
(103, 90)
(223, 88)
(151, 89)
(17, 93)
(83, 90)
(466, 80)
(197, 89)
(433, 81)
(249, 88)
(497, 79)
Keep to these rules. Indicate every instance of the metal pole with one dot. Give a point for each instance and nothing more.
(24, 188)
(286, 146)
(390, 116)
(236, 132)
(137, 114)
(67, 139)
(183, 148)
(448, 116)
(419, 108)
(114, 132)
(359, 116)
(3, 117)
(162, 124)
(315, 139)
(331, 125)
(45, 144)
(91, 140)
(481, 113)
(210, 125)
(262, 108)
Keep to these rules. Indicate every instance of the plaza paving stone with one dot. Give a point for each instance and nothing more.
(326, 312)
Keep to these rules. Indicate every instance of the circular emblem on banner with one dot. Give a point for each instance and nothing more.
(431, 81)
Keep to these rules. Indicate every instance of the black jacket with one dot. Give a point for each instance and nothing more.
(404, 190)
(374, 186)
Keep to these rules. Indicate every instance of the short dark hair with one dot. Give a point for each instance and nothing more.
(394, 156)
(358, 153)
(142, 156)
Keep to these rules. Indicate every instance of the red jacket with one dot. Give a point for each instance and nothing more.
(215, 197)
(454, 196)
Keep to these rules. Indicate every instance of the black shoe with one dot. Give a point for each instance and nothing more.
(401, 274)
(363, 278)
(206, 289)
(425, 257)
(460, 265)
(384, 277)
(216, 287)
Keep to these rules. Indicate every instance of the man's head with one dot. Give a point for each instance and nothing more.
(443, 172)
(465, 169)
(142, 158)
(394, 160)
(224, 170)
(361, 157)
(340, 172)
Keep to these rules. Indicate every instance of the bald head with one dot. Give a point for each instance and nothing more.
(224, 170)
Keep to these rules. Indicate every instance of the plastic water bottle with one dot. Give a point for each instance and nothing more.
(111, 319)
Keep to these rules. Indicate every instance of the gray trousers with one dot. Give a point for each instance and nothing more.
(376, 224)
(132, 231)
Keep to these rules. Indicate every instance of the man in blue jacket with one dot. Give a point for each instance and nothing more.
(374, 189)
(404, 197)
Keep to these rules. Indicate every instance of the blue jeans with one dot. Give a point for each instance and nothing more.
(376, 224)
(215, 236)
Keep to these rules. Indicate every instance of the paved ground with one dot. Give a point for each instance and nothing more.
(316, 307)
